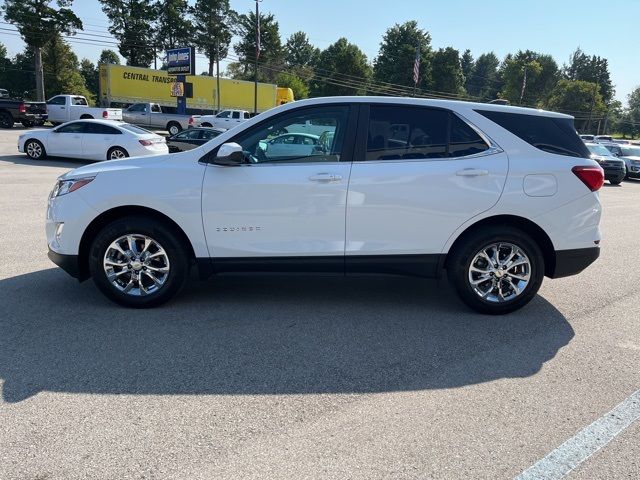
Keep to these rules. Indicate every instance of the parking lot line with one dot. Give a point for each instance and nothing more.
(586, 442)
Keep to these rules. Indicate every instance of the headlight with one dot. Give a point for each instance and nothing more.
(62, 187)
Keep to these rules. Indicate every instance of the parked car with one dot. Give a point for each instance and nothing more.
(192, 138)
(289, 145)
(497, 196)
(614, 168)
(588, 138)
(151, 115)
(91, 140)
(225, 119)
(26, 112)
(4, 93)
(603, 138)
(63, 108)
(631, 156)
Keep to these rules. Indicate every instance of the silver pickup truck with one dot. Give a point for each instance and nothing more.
(150, 115)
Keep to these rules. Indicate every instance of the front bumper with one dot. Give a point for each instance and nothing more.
(69, 263)
(572, 262)
(614, 174)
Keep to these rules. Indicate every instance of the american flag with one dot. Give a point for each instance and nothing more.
(416, 67)
(258, 36)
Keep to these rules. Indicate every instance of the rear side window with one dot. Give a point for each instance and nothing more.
(549, 134)
(464, 139)
(400, 133)
(101, 129)
(134, 129)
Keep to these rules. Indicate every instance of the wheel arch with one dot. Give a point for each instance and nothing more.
(174, 122)
(115, 213)
(527, 226)
(86, 116)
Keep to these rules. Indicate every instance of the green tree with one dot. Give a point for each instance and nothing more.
(38, 22)
(446, 72)
(6, 68)
(213, 34)
(396, 57)
(634, 104)
(108, 57)
(467, 64)
(537, 73)
(483, 81)
(271, 53)
(174, 29)
(131, 24)
(90, 74)
(298, 51)
(62, 71)
(578, 98)
(593, 69)
(296, 84)
(21, 81)
(345, 71)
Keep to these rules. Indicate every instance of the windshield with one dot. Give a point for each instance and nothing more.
(598, 150)
(630, 151)
(134, 129)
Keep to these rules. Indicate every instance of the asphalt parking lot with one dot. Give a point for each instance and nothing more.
(306, 377)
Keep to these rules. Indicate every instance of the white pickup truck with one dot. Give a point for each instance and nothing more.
(224, 119)
(63, 108)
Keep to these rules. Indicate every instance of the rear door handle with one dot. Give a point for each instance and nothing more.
(325, 177)
(472, 172)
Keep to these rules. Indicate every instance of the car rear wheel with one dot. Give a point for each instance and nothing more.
(34, 149)
(497, 270)
(174, 128)
(137, 262)
(116, 153)
(6, 120)
(207, 124)
(27, 124)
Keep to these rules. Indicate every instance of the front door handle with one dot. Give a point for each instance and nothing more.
(325, 177)
(472, 172)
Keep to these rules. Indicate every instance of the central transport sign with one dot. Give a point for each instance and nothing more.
(181, 61)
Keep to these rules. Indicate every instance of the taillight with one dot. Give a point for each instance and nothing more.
(22, 108)
(105, 114)
(145, 143)
(592, 177)
(190, 120)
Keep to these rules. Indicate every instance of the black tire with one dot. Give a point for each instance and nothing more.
(27, 124)
(32, 147)
(206, 124)
(165, 236)
(173, 128)
(116, 153)
(6, 120)
(86, 117)
(458, 268)
(615, 182)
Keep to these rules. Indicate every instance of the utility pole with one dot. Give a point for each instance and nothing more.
(218, 74)
(255, 66)
(155, 57)
(524, 84)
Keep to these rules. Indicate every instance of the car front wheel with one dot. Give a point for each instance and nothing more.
(138, 263)
(34, 149)
(497, 270)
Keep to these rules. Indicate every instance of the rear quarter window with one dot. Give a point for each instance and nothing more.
(549, 134)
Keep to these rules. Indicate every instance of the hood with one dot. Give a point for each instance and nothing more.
(114, 165)
(605, 158)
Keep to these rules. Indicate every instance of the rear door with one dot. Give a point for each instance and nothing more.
(137, 114)
(66, 140)
(418, 174)
(98, 139)
(185, 140)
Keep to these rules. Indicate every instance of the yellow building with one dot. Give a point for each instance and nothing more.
(123, 84)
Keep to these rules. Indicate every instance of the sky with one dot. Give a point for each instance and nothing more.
(554, 27)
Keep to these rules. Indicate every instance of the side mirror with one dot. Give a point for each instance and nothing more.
(229, 155)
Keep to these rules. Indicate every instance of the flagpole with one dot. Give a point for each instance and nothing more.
(416, 70)
(255, 65)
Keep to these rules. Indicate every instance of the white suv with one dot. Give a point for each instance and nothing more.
(497, 196)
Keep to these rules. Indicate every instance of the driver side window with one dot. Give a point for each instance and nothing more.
(280, 138)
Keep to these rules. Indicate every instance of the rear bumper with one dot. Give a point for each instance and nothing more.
(69, 263)
(33, 116)
(571, 262)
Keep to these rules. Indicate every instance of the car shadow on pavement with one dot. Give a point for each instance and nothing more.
(49, 162)
(263, 335)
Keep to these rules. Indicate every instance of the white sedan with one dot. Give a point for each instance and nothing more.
(91, 140)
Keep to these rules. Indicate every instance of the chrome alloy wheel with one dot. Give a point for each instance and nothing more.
(117, 154)
(499, 272)
(34, 150)
(136, 265)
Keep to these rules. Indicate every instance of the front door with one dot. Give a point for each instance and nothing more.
(66, 140)
(136, 114)
(419, 175)
(57, 110)
(287, 208)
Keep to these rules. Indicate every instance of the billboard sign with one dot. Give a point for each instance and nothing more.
(181, 61)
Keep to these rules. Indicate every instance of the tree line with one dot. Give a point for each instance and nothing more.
(144, 29)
